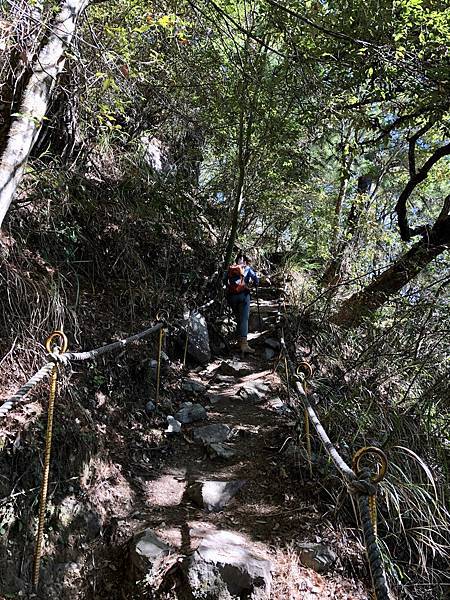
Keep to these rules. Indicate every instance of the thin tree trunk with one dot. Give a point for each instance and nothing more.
(243, 157)
(366, 302)
(25, 128)
(338, 264)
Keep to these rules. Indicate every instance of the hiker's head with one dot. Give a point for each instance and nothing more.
(239, 260)
(247, 259)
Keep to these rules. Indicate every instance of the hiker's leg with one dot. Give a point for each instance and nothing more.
(235, 302)
(245, 307)
(245, 313)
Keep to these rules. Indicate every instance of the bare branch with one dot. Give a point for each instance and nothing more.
(413, 182)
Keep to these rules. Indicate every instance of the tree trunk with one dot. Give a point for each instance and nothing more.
(243, 158)
(25, 128)
(366, 302)
(337, 266)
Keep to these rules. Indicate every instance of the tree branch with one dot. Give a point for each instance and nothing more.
(413, 182)
(412, 145)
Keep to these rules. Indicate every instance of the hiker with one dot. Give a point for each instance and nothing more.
(238, 277)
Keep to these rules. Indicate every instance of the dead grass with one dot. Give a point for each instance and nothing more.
(292, 581)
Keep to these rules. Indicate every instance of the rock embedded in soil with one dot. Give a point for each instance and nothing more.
(272, 343)
(278, 405)
(147, 552)
(193, 386)
(318, 557)
(211, 434)
(189, 413)
(214, 398)
(225, 566)
(198, 340)
(235, 368)
(173, 426)
(150, 407)
(254, 392)
(225, 379)
(213, 496)
(269, 354)
(221, 450)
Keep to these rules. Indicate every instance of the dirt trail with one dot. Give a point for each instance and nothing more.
(276, 509)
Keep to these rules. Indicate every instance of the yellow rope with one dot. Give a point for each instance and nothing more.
(44, 485)
(47, 452)
(373, 512)
(158, 371)
(287, 380)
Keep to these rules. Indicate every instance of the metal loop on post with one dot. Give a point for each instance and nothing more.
(377, 452)
(304, 369)
(52, 337)
(162, 315)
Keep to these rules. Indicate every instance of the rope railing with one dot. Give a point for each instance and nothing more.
(56, 346)
(359, 482)
(66, 357)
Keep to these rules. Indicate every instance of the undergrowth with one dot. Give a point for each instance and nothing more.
(384, 385)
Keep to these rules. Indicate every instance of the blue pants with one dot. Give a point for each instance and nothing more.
(240, 305)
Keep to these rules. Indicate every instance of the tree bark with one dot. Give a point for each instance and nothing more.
(366, 302)
(37, 93)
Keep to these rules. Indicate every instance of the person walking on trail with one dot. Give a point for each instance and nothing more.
(238, 278)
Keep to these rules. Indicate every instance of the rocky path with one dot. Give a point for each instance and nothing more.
(223, 519)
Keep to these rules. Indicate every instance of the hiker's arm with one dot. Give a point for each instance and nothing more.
(253, 276)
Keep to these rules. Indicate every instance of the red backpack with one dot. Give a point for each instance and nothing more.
(236, 284)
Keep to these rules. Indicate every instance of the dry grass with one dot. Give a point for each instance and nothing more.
(292, 581)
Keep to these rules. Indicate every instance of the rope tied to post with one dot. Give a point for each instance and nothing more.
(360, 481)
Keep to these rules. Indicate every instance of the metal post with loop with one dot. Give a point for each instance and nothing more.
(51, 349)
(366, 490)
(162, 315)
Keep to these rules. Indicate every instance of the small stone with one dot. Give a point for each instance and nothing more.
(254, 392)
(213, 495)
(220, 450)
(211, 434)
(272, 343)
(318, 557)
(189, 413)
(191, 385)
(173, 426)
(150, 407)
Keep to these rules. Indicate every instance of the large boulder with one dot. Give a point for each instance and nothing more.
(198, 337)
(225, 566)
